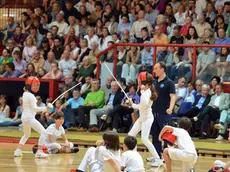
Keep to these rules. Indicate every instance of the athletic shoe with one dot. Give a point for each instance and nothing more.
(219, 138)
(41, 154)
(53, 150)
(104, 117)
(157, 163)
(74, 150)
(219, 126)
(18, 153)
(150, 159)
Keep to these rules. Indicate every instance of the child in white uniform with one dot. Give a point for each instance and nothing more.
(185, 150)
(30, 109)
(144, 122)
(53, 132)
(104, 158)
(131, 160)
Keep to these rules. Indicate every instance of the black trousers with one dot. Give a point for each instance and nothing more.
(192, 112)
(117, 114)
(82, 111)
(208, 114)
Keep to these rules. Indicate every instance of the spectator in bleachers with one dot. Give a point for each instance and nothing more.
(86, 87)
(144, 35)
(138, 24)
(54, 73)
(97, 14)
(107, 86)
(37, 60)
(10, 45)
(175, 4)
(84, 50)
(8, 30)
(54, 11)
(29, 49)
(54, 31)
(111, 24)
(169, 11)
(171, 24)
(68, 82)
(69, 10)
(123, 11)
(222, 62)
(210, 14)
(42, 18)
(146, 58)
(219, 3)
(122, 53)
(74, 49)
(45, 47)
(201, 25)
(25, 22)
(91, 37)
(169, 59)
(215, 80)
(199, 83)
(70, 36)
(6, 58)
(83, 13)
(30, 71)
(93, 53)
(185, 28)
(93, 100)
(50, 59)
(220, 101)
(58, 49)
(10, 71)
(86, 69)
(180, 16)
(67, 65)
(222, 39)
(177, 39)
(60, 23)
(114, 99)
(19, 63)
(19, 37)
(151, 14)
(124, 24)
(30, 13)
(98, 28)
(4, 108)
(227, 12)
(41, 72)
(208, 36)
(36, 36)
(50, 37)
(206, 59)
(161, 22)
(106, 37)
(130, 68)
(80, 3)
(180, 90)
(223, 124)
(220, 24)
(91, 6)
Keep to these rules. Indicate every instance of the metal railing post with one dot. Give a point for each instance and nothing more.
(115, 60)
(194, 64)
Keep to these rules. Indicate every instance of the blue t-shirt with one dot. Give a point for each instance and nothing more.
(75, 103)
(19, 110)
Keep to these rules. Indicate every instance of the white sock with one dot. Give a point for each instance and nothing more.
(195, 119)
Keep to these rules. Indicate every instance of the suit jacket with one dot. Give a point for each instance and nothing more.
(224, 101)
(117, 98)
(206, 102)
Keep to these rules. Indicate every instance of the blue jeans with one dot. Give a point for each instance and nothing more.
(10, 123)
(225, 118)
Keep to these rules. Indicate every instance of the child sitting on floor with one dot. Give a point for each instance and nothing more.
(220, 166)
(131, 160)
(104, 158)
(185, 150)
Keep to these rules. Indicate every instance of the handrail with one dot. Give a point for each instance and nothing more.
(194, 46)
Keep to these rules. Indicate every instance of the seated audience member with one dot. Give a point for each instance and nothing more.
(107, 86)
(68, 83)
(6, 58)
(114, 99)
(4, 109)
(120, 110)
(86, 87)
(220, 101)
(39, 104)
(50, 59)
(8, 29)
(41, 72)
(55, 73)
(10, 71)
(57, 49)
(19, 37)
(45, 118)
(74, 103)
(223, 124)
(19, 63)
(59, 22)
(146, 58)
(199, 84)
(37, 60)
(180, 91)
(201, 101)
(205, 60)
(93, 100)
(87, 69)
(222, 39)
(131, 160)
(30, 71)
(214, 81)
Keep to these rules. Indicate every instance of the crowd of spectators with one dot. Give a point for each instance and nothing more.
(60, 41)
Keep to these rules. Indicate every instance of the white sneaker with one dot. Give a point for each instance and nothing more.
(195, 119)
(115, 130)
(150, 159)
(219, 163)
(157, 163)
(41, 154)
(104, 117)
(219, 126)
(219, 138)
(18, 153)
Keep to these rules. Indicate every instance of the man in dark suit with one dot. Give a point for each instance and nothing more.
(201, 101)
(114, 99)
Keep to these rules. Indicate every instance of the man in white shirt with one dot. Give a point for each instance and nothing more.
(220, 101)
(62, 26)
(67, 65)
(201, 25)
(180, 90)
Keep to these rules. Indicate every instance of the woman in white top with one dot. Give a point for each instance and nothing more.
(4, 109)
(30, 109)
(29, 49)
(106, 37)
(144, 122)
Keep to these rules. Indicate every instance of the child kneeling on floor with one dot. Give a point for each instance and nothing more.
(131, 160)
(185, 150)
(53, 132)
(105, 157)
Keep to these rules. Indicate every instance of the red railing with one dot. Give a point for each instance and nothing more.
(194, 46)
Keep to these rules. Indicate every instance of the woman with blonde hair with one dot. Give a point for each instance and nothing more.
(29, 49)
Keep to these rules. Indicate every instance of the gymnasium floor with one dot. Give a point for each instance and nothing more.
(64, 162)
